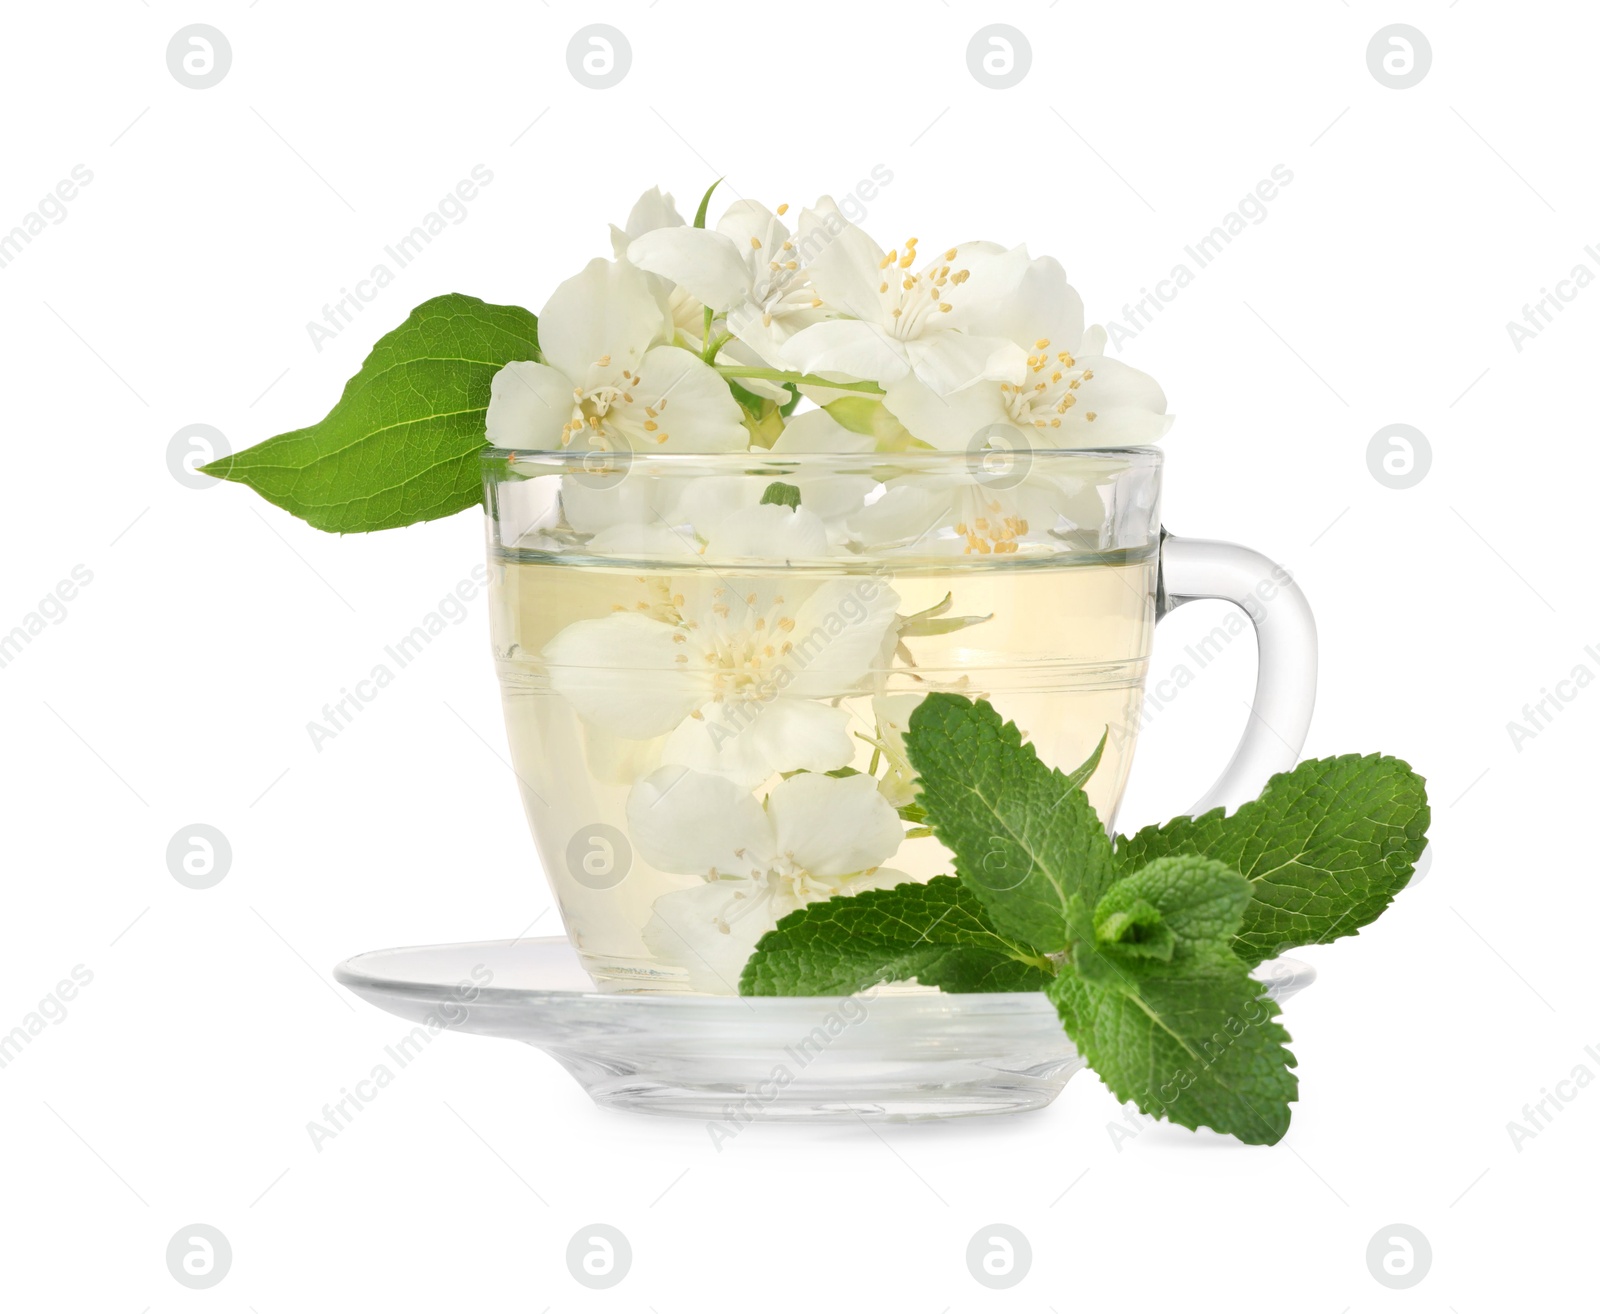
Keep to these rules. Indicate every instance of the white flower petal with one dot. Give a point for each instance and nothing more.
(1042, 306)
(706, 263)
(994, 274)
(849, 348)
(654, 209)
(817, 431)
(1128, 405)
(795, 734)
(696, 824)
(653, 543)
(846, 272)
(908, 516)
(693, 409)
(948, 360)
(529, 406)
(609, 311)
(838, 631)
(892, 713)
(949, 422)
(834, 826)
(710, 931)
(621, 673)
(707, 501)
(744, 220)
(769, 533)
(881, 878)
(719, 742)
(596, 502)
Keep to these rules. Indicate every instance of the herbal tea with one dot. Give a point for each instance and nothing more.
(703, 749)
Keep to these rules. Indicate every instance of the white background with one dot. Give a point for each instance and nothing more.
(178, 687)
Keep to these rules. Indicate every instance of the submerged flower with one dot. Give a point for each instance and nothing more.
(893, 715)
(831, 489)
(965, 511)
(606, 384)
(736, 672)
(817, 836)
(904, 322)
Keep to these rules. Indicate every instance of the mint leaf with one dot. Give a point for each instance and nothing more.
(1186, 905)
(1194, 1041)
(402, 443)
(779, 494)
(1025, 839)
(935, 932)
(1326, 847)
(1161, 1007)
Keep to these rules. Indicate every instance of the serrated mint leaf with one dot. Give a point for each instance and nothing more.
(1199, 902)
(781, 494)
(1326, 847)
(1135, 928)
(1025, 839)
(402, 443)
(935, 932)
(1196, 1042)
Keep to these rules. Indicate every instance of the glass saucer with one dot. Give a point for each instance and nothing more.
(896, 1054)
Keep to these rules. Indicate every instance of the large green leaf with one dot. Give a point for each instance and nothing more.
(403, 441)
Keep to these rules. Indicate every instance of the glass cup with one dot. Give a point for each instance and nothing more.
(708, 663)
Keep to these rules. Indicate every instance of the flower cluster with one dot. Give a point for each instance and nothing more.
(694, 339)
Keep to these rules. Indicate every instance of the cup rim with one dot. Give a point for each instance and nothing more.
(737, 462)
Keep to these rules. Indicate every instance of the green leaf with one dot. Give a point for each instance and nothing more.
(1195, 1041)
(1025, 839)
(1136, 929)
(1167, 1014)
(1078, 777)
(705, 201)
(402, 443)
(1196, 903)
(1326, 848)
(935, 932)
(779, 494)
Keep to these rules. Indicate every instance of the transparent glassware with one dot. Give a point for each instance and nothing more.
(707, 663)
(885, 1055)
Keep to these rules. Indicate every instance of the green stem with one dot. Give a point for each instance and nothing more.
(1046, 965)
(716, 344)
(799, 380)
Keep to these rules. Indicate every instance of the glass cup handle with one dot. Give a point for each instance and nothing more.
(1286, 654)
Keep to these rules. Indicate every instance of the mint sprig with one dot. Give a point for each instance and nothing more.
(402, 443)
(1144, 945)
